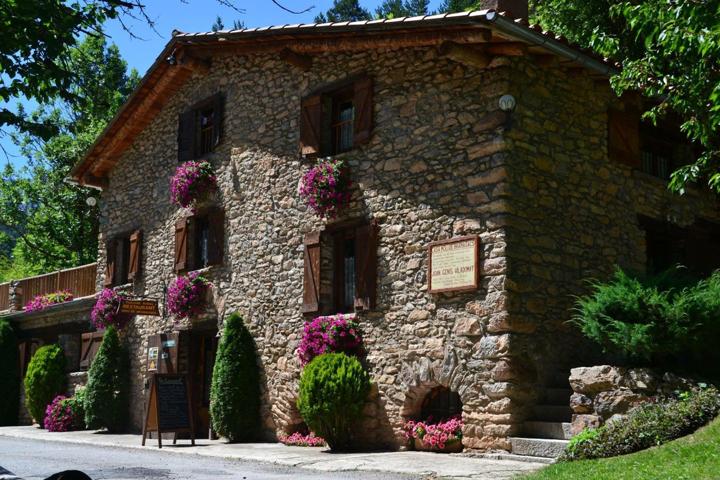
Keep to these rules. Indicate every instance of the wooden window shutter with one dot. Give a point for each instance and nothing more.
(89, 345)
(311, 281)
(624, 137)
(181, 244)
(366, 243)
(135, 255)
(111, 252)
(218, 114)
(216, 237)
(186, 136)
(310, 125)
(363, 103)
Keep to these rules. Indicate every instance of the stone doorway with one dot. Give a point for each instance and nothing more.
(203, 347)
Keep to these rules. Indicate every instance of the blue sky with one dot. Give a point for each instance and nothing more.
(196, 16)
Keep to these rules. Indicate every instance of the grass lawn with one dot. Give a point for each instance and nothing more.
(696, 456)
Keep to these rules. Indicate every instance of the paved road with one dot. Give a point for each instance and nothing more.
(35, 459)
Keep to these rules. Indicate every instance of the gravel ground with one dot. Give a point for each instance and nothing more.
(35, 459)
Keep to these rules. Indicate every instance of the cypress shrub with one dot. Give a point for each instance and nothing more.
(235, 390)
(106, 391)
(9, 377)
(44, 380)
(333, 389)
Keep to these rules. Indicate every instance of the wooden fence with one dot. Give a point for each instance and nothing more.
(80, 281)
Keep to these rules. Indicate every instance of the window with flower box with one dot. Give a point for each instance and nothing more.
(200, 240)
(123, 259)
(200, 128)
(337, 118)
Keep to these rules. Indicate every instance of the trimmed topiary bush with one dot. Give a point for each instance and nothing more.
(106, 391)
(647, 426)
(235, 390)
(333, 389)
(9, 377)
(44, 380)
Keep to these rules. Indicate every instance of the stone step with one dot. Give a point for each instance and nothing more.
(537, 447)
(557, 396)
(517, 458)
(552, 413)
(556, 430)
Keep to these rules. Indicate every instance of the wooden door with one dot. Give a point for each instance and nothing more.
(203, 346)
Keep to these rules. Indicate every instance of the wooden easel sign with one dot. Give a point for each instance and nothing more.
(168, 407)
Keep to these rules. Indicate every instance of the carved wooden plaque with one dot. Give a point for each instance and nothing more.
(453, 264)
(140, 307)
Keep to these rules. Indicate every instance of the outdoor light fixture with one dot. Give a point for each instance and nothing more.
(507, 103)
(91, 201)
(171, 59)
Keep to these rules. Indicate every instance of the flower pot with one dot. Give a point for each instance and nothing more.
(451, 446)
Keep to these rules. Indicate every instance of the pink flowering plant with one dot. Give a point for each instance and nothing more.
(186, 295)
(41, 302)
(298, 439)
(193, 182)
(326, 187)
(435, 435)
(331, 334)
(105, 311)
(63, 414)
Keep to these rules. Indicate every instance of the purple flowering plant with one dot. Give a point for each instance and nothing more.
(299, 440)
(105, 311)
(193, 181)
(59, 415)
(435, 435)
(330, 334)
(186, 295)
(326, 187)
(41, 302)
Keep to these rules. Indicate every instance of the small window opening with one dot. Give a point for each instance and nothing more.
(343, 127)
(206, 131)
(202, 238)
(349, 277)
(440, 404)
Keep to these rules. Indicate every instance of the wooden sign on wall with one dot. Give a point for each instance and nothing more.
(168, 407)
(140, 307)
(453, 264)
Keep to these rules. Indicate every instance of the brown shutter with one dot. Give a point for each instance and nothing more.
(135, 255)
(186, 136)
(89, 345)
(310, 125)
(111, 251)
(311, 281)
(363, 103)
(181, 244)
(216, 236)
(624, 137)
(218, 110)
(366, 243)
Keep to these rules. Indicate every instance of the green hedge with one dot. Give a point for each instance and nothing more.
(235, 390)
(9, 377)
(44, 380)
(106, 392)
(647, 426)
(333, 389)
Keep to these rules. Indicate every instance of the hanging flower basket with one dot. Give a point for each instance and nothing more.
(326, 187)
(186, 295)
(442, 437)
(192, 183)
(41, 302)
(105, 311)
(331, 334)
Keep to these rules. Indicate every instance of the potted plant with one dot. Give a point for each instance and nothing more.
(41, 302)
(192, 183)
(444, 436)
(186, 295)
(105, 312)
(326, 187)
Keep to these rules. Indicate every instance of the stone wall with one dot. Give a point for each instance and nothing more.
(604, 393)
(435, 168)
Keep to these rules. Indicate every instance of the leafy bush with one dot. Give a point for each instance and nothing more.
(9, 381)
(65, 414)
(105, 399)
(333, 389)
(699, 307)
(333, 334)
(646, 426)
(44, 380)
(235, 390)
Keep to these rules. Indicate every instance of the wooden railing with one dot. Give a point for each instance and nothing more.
(80, 281)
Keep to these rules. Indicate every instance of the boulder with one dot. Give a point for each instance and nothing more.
(592, 380)
(581, 403)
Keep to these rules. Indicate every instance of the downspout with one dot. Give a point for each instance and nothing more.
(527, 35)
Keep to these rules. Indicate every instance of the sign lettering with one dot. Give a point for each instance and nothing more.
(140, 307)
(453, 265)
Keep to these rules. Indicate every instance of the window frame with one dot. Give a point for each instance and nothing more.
(121, 270)
(214, 104)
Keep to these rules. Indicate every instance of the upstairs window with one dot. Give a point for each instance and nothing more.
(200, 240)
(200, 128)
(122, 260)
(337, 119)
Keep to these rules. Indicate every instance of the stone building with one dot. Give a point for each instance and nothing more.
(558, 188)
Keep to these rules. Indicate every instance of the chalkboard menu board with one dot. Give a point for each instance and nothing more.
(168, 408)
